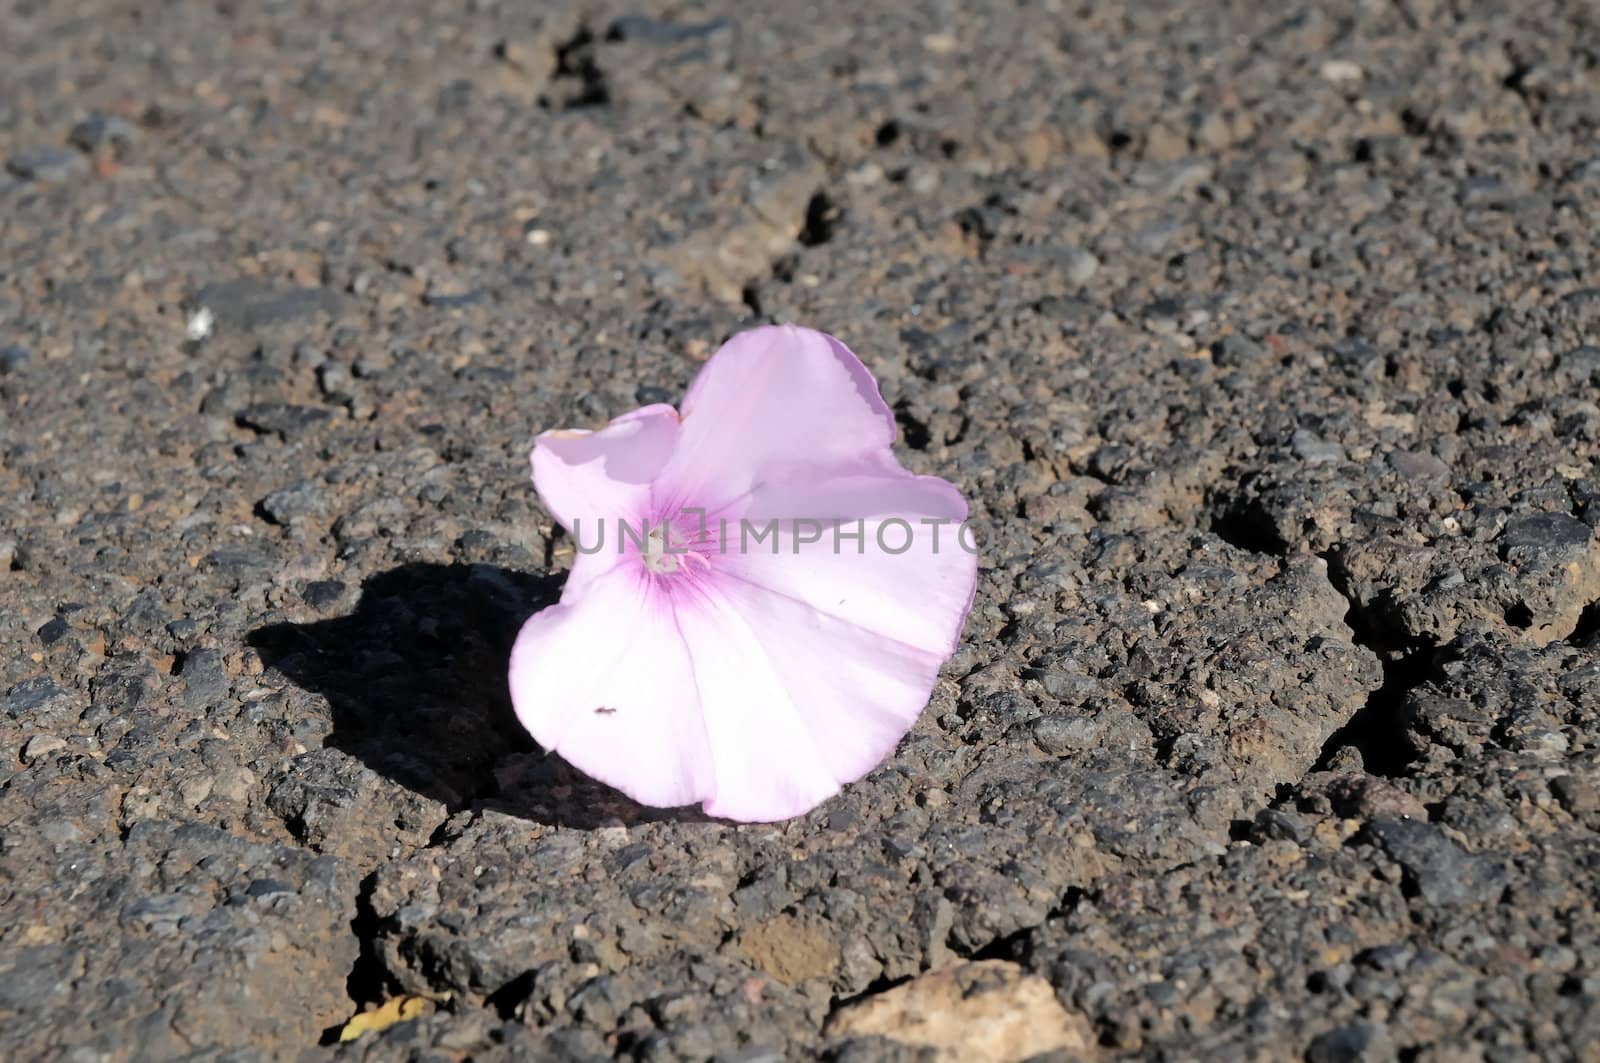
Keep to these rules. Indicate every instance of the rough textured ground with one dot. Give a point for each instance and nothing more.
(1265, 342)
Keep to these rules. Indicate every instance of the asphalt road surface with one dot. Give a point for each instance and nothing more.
(1264, 340)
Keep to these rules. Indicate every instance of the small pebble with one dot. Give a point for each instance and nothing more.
(48, 165)
(41, 746)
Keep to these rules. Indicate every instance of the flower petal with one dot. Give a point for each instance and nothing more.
(770, 403)
(583, 475)
(604, 679)
(795, 703)
(910, 576)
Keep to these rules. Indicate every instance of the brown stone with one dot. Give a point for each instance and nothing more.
(985, 1012)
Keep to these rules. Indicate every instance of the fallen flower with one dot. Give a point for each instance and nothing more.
(681, 665)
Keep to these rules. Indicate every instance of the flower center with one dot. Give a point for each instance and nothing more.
(657, 559)
(669, 550)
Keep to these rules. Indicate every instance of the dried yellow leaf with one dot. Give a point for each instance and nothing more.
(398, 1009)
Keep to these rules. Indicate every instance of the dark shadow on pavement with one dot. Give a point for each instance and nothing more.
(415, 680)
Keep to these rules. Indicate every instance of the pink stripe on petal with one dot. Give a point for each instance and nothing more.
(769, 766)
(819, 698)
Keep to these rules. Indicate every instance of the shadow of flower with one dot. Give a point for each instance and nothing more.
(415, 681)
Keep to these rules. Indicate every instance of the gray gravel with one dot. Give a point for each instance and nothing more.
(1264, 341)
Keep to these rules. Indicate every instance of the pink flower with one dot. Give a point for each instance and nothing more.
(762, 596)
